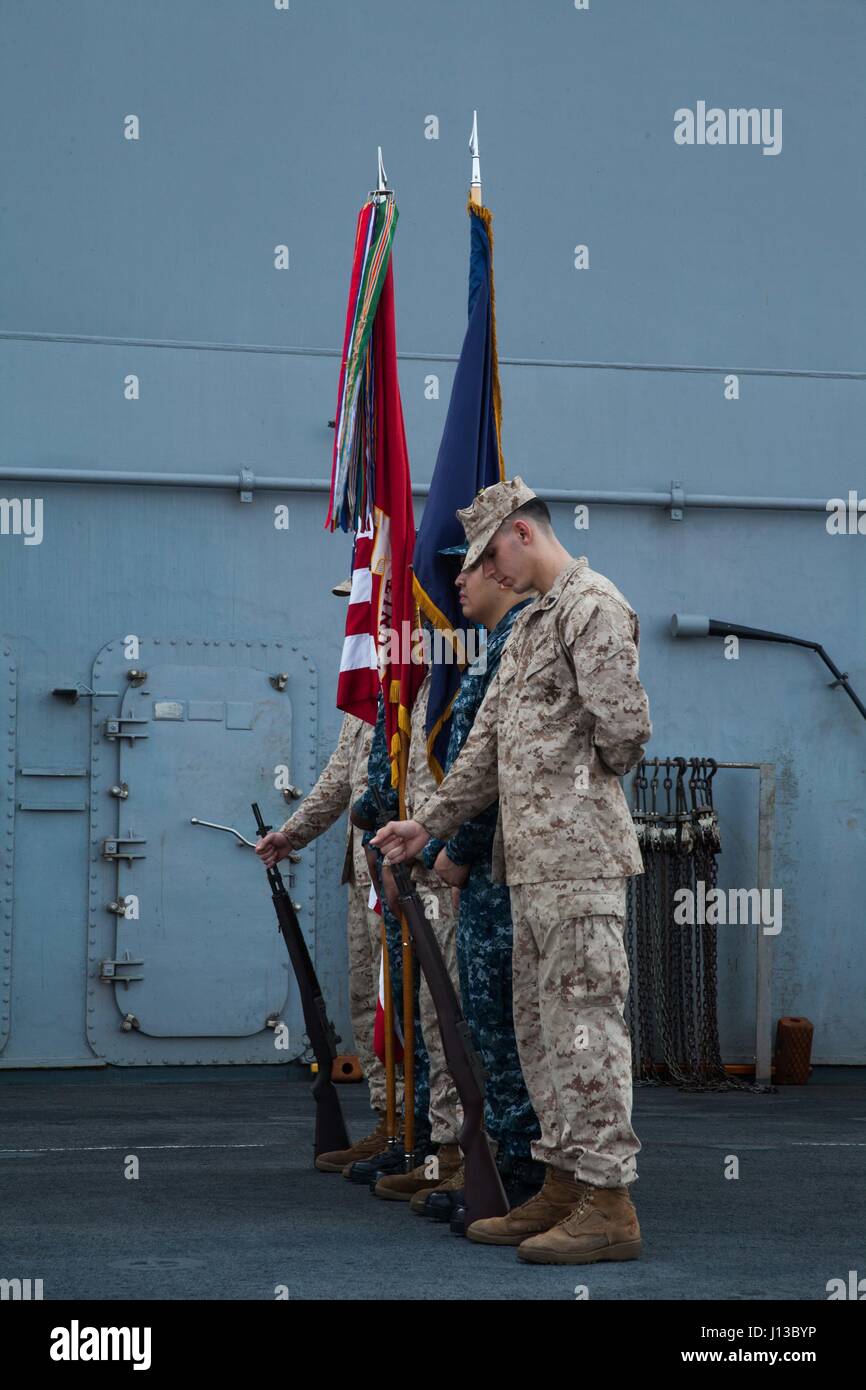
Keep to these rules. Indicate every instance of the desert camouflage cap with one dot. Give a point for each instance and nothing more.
(490, 508)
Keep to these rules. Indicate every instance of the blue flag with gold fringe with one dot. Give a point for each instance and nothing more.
(469, 458)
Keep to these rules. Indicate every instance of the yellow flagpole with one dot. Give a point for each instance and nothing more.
(388, 1008)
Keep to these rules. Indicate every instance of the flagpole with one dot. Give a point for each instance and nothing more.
(380, 193)
(408, 959)
(388, 1010)
(476, 200)
(408, 1046)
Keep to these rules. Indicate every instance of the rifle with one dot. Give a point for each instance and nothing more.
(485, 1195)
(330, 1127)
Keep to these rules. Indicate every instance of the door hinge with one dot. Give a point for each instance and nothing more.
(108, 971)
(118, 728)
(111, 849)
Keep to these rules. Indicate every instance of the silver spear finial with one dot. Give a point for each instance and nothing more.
(475, 183)
(381, 190)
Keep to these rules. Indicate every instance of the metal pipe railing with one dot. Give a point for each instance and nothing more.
(247, 481)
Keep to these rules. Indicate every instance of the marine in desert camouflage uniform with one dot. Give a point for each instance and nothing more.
(564, 719)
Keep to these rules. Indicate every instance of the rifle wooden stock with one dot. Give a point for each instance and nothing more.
(485, 1195)
(330, 1127)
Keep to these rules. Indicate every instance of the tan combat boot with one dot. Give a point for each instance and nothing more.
(339, 1159)
(603, 1226)
(451, 1184)
(558, 1197)
(401, 1187)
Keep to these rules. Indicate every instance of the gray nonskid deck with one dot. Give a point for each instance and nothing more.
(228, 1205)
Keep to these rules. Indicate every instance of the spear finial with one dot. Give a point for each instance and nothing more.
(475, 185)
(381, 190)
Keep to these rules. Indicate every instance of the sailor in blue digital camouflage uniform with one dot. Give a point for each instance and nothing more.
(484, 930)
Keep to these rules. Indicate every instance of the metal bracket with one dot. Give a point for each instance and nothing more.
(108, 972)
(116, 728)
(121, 791)
(247, 482)
(678, 501)
(111, 848)
(73, 693)
(118, 907)
(292, 793)
(136, 677)
(279, 681)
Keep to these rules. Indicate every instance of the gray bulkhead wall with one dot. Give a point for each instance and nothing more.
(153, 258)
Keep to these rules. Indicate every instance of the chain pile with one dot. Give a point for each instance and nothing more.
(673, 999)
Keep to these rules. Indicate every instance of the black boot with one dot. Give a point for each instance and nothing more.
(389, 1160)
(391, 1169)
(442, 1205)
(392, 1160)
(521, 1180)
